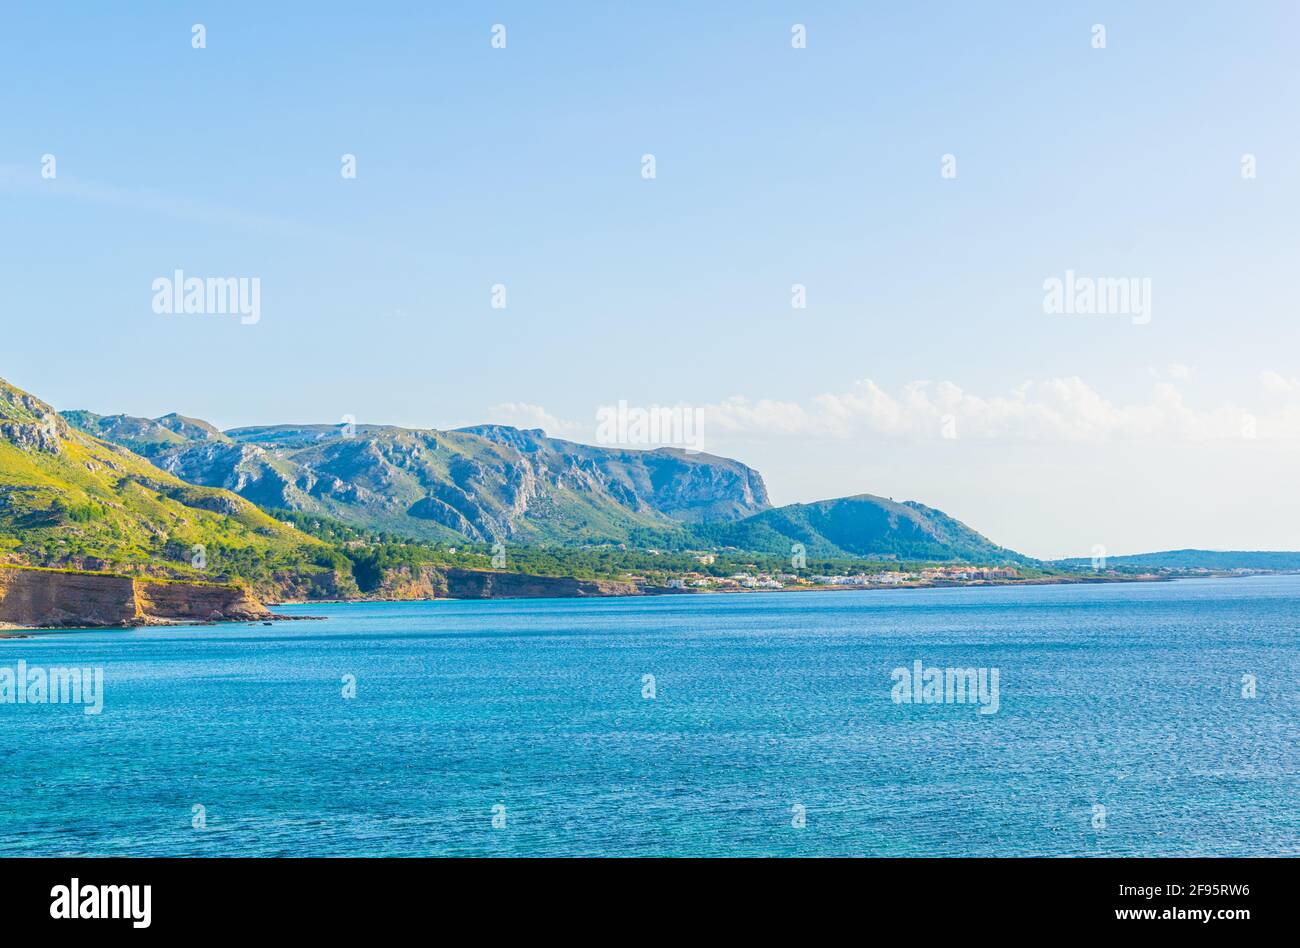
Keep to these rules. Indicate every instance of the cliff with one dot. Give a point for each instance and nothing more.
(190, 602)
(297, 585)
(406, 582)
(40, 598)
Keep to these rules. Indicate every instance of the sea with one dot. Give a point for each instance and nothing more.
(1149, 719)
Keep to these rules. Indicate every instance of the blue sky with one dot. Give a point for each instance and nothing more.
(775, 166)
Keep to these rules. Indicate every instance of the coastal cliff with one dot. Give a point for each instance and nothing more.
(404, 583)
(427, 581)
(44, 598)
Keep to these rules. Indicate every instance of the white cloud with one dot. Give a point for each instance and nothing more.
(1062, 410)
(1051, 409)
(526, 415)
(1277, 384)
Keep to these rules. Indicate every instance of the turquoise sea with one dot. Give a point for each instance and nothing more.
(768, 710)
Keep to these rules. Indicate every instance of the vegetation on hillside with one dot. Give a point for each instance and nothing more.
(862, 526)
(69, 499)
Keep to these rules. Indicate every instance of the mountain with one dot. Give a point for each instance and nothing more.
(484, 484)
(73, 499)
(689, 488)
(863, 526)
(69, 498)
(495, 482)
(145, 436)
(1193, 559)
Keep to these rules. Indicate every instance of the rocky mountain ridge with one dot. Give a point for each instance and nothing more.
(485, 484)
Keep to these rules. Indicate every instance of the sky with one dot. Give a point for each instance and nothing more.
(924, 365)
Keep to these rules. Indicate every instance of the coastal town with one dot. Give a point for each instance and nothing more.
(930, 576)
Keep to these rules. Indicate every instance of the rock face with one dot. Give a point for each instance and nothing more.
(174, 601)
(406, 582)
(484, 484)
(36, 598)
(300, 586)
(685, 486)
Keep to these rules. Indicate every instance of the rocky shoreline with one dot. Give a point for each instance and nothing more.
(552, 587)
(42, 598)
(36, 598)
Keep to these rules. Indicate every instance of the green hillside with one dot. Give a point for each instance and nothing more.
(863, 526)
(69, 499)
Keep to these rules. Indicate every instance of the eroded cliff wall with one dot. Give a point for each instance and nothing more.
(36, 598)
(182, 601)
(30, 597)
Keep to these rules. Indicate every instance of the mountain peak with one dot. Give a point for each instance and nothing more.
(17, 405)
(28, 423)
(193, 429)
(868, 526)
